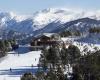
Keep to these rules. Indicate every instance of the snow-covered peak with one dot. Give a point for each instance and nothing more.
(41, 19)
(5, 16)
(49, 15)
(94, 15)
(63, 15)
(52, 14)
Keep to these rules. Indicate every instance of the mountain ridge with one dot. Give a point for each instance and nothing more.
(48, 20)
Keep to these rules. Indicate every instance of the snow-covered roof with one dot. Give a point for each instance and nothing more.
(48, 34)
(45, 34)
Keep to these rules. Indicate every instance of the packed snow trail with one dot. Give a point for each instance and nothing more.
(14, 65)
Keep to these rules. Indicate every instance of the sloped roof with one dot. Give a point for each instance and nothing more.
(45, 34)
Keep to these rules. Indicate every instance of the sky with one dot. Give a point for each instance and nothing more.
(31, 6)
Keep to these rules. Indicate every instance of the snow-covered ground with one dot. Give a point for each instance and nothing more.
(83, 46)
(22, 61)
(19, 64)
(87, 47)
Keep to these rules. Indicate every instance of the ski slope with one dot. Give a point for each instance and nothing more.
(19, 64)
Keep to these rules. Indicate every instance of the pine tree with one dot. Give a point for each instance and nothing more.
(28, 76)
(74, 53)
(2, 48)
(8, 45)
(64, 56)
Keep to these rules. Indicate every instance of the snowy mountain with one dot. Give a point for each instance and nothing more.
(20, 23)
(83, 24)
(47, 20)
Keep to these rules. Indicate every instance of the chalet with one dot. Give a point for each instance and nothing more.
(46, 39)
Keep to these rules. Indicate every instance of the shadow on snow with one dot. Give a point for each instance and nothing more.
(19, 71)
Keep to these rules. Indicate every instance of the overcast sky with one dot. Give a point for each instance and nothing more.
(30, 6)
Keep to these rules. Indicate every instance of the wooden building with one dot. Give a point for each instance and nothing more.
(46, 39)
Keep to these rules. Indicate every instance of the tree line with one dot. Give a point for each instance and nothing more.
(67, 33)
(94, 30)
(6, 45)
(53, 62)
